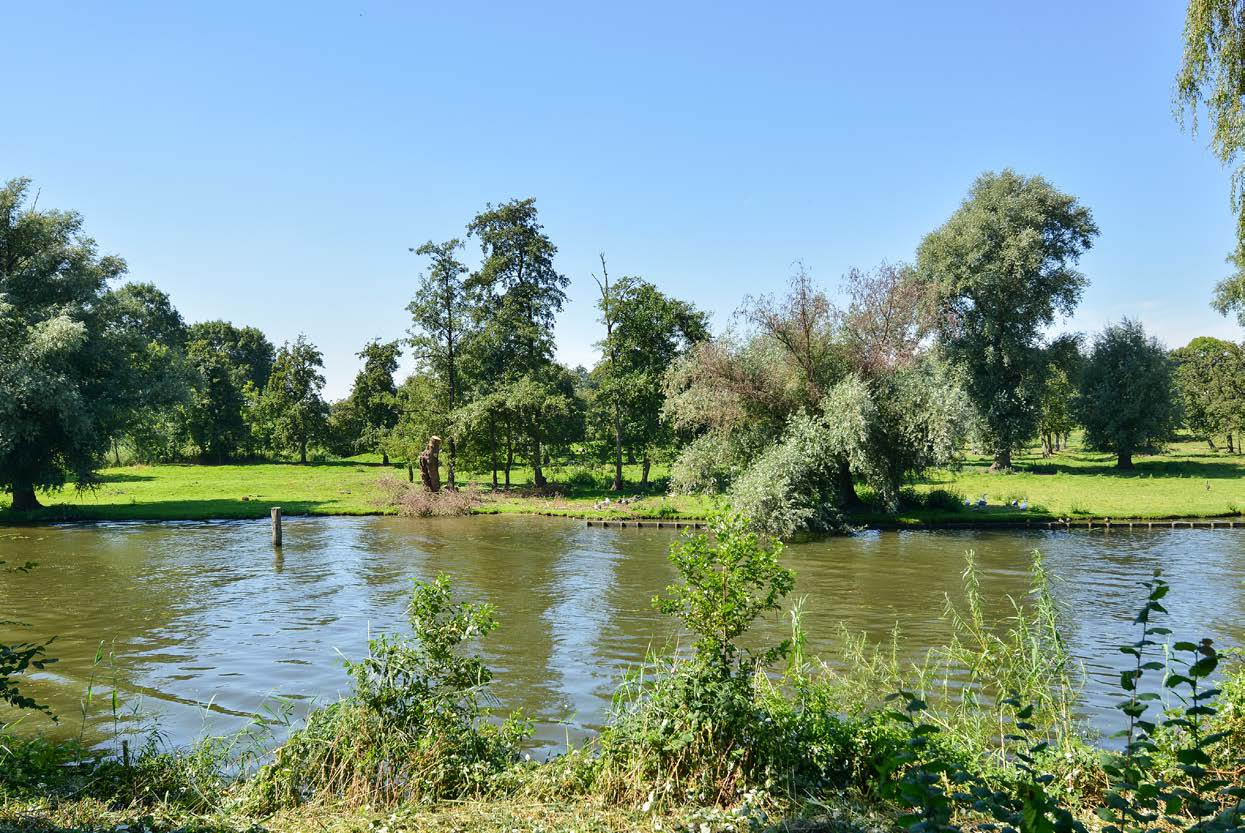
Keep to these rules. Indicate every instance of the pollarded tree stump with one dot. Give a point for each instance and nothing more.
(430, 465)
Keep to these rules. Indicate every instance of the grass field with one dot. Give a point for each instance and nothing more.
(1188, 480)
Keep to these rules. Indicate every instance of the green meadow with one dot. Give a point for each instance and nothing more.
(1188, 480)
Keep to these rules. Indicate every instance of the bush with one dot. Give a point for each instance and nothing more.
(695, 728)
(947, 500)
(582, 479)
(413, 728)
(791, 486)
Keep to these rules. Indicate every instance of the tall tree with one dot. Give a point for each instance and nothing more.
(1000, 269)
(1211, 82)
(291, 403)
(67, 383)
(1210, 376)
(646, 332)
(1128, 401)
(157, 338)
(518, 292)
(231, 366)
(441, 318)
(373, 397)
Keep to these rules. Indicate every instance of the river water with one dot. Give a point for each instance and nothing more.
(202, 626)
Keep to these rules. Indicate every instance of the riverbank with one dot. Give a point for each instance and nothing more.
(1189, 481)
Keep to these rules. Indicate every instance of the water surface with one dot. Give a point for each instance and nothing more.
(206, 625)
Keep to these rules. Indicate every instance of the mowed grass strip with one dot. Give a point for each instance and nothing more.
(1188, 480)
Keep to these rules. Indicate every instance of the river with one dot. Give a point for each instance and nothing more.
(203, 626)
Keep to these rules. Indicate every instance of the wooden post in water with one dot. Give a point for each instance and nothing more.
(276, 526)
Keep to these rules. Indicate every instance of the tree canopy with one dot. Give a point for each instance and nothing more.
(999, 270)
(1127, 401)
(75, 357)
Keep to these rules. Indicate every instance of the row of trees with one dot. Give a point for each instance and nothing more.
(795, 409)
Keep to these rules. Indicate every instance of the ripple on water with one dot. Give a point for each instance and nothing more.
(204, 612)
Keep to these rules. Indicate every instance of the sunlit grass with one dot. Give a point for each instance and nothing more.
(1187, 480)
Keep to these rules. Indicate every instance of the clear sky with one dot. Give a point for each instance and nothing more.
(271, 163)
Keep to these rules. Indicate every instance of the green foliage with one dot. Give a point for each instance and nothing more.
(413, 728)
(230, 368)
(373, 402)
(442, 328)
(896, 425)
(76, 360)
(1209, 376)
(1211, 83)
(696, 727)
(793, 485)
(19, 658)
(291, 408)
(728, 581)
(646, 332)
(1000, 269)
(1127, 401)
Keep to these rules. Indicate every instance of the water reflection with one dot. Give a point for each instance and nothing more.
(207, 622)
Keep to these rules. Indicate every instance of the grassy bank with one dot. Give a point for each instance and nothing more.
(1187, 481)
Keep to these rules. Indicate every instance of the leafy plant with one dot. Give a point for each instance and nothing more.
(19, 658)
(414, 725)
(696, 726)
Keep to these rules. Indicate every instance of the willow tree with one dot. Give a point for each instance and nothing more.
(69, 380)
(1211, 85)
(999, 271)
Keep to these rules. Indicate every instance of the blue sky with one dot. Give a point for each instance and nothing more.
(272, 166)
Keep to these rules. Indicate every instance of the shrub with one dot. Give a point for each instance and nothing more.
(791, 486)
(413, 727)
(695, 728)
(947, 500)
(582, 479)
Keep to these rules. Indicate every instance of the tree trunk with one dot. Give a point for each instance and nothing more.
(116, 454)
(449, 470)
(538, 475)
(24, 497)
(492, 448)
(302, 452)
(1231, 450)
(1048, 445)
(618, 451)
(846, 486)
(1210, 441)
(384, 458)
(644, 470)
(509, 457)
(1002, 460)
(410, 473)
(1125, 460)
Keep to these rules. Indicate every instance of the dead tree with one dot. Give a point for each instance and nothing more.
(430, 465)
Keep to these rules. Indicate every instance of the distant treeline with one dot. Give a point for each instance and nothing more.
(799, 411)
